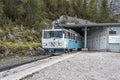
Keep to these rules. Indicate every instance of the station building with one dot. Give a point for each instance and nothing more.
(100, 37)
(104, 39)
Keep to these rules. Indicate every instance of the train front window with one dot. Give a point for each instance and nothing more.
(53, 34)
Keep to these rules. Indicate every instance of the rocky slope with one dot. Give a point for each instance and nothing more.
(115, 7)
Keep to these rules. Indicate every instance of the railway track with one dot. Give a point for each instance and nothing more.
(8, 67)
(23, 63)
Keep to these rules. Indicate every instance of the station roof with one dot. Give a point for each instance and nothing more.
(73, 26)
(78, 27)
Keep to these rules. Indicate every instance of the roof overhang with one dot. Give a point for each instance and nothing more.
(79, 27)
(90, 25)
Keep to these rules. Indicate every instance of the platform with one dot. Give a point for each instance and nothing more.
(28, 69)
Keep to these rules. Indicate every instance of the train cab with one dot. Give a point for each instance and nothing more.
(60, 40)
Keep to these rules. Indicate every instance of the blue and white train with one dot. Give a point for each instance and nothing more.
(61, 40)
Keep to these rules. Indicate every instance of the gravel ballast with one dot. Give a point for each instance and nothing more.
(84, 66)
(14, 61)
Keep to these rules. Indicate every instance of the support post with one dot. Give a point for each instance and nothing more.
(85, 39)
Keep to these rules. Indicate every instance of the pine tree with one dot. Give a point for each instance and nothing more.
(93, 10)
(84, 9)
(1, 12)
(105, 14)
(77, 6)
(1, 8)
(34, 13)
(70, 9)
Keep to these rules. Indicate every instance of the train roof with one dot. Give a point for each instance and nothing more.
(53, 29)
(69, 30)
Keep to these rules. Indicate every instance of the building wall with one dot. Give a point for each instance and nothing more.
(98, 39)
(115, 46)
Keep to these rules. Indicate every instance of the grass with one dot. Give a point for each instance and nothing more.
(21, 41)
(18, 47)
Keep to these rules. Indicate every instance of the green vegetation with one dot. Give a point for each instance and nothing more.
(18, 40)
(21, 21)
(105, 15)
(35, 13)
(92, 9)
(18, 47)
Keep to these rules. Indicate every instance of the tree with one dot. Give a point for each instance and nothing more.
(70, 9)
(105, 15)
(1, 8)
(51, 9)
(61, 6)
(92, 10)
(33, 12)
(77, 6)
(1, 12)
(84, 9)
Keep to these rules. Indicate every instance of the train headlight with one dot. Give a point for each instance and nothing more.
(44, 44)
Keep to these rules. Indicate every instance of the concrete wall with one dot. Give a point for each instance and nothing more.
(98, 39)
(114, 46)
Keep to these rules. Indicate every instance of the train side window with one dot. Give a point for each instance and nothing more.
(76, 37)
(73, 36)
(69, 35)
(80, 38)
(66, 34)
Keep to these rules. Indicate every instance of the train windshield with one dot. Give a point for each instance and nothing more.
(53, 34)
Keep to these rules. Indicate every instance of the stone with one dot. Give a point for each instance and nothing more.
(7, 52)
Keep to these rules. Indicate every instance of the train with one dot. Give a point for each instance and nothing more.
(66, 40)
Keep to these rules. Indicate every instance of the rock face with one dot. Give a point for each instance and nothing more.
(115, 7)
(33, 52)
